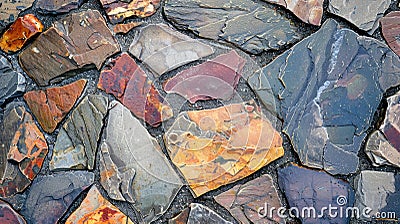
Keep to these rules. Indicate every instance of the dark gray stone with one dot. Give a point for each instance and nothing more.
(12, 83)
(202, 214)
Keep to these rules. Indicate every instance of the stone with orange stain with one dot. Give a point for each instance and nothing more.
(125, 28)
(118, 10)
(216, 147)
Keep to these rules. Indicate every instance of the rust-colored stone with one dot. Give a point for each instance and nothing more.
(391, 30)
(125, 28)
(118, 10)
(50, 106)
(20, 32)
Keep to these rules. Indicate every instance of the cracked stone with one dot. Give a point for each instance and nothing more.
(310, 188)
(12, 83)
(74, 42)
(214, 79)
(76, 143)
(118, 10)
(130, 85)
(202, 214)
(218, 146)
(244, 201)
(10, 9)
(391, 30)
(9, 216)
(51, 105)
(244, 23)
(125, 28)
(133, 167)
(164, 49)
(57, 6)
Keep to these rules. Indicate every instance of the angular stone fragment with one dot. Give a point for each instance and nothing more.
(76, 143)
(125, 28)
(306, 188)
(214, 79)
(244, 201)
(218, 146)
(12, 83)
(76, 41)
(244, 23)
(9, 216)
(57, 6)
(202, 214)
(164, 49)
(364, 14)
(50, 196)
(51, 105)
(181, 218)
(20, 32)
(23, 149)
(119, 10)
(307, 11)
(328, 88)
(133, 167)
(391, 30)
(130, 85)
(9, 10)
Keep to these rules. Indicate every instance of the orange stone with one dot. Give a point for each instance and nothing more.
(125, 28)
(20, 32)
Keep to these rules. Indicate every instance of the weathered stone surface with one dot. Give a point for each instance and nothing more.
(309, 188)
(125, 28)
(23, 149)
(57, 6)
(50, 196)
(364, 14)
(76, 143)
(76, 41)
(307, 11)
(51, 105)
(9, 10)
(328, 88)
(119, 10)
(218, 146)
(164, 49)
(202, 214)
(133, 167)
(214, 79)
(12, 83)
(96, 209)
(244, 201)
(391, 30)
(244, 23)
(181, 218)
(8, 215)
(20, 32)
(130, 85)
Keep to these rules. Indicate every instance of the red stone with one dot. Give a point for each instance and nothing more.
(8, 215)
(391, 30)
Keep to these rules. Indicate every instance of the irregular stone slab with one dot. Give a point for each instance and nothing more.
(202, 214)
(8, 215)
(214, 79)
(244, 201)
(168, 48)
(76, 143)
(50, 196)
(306, 188)
(125, 28)
(77, 41)
(218, 146)
(130, 85)
(20, 32)
(133, 167)
(96, 209)
(51, 105)
(118, 10)
(328, 88)
(57, 6)
(364, 14)
(10, 9)
(181, 218)
(391, 30)
(23, 149)
(244, 23)
(12, 83)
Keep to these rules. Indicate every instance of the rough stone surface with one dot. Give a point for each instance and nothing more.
(133, 167)
(57, 6)
(181, 218)
(244, 23)
(202, 214)
(9, 216)
(119, 10)
(391, 30)
(76, 41)
(125, 28)
(51, 105)
(10, 9)
(76, 143)
(164, 49)
(12, 83)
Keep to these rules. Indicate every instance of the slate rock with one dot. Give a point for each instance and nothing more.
(57, 6)
(181, 218)
(77, 41)
(244, 23)
(133, 167)
(164, 49)
(51, 105)
(12, 83)
(50, 196)
(391, 30)
(9, 216)
(10, 9)
(118, 10)
(202, 214)
(125, 28)
(76, 143)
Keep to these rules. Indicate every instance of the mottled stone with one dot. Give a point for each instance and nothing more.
(181, 218)
(202, 214)
(96, 209)
(130, 85)
(20, 32)
(246, 202)
(12, 83)
(391, 30)
(9, 216)
(306, 188)
(133, 167)
(23, 149)
(364, 14)
(244, 23)
(51, 105)
(76, 143)
(214, 79)
(125, 28)
(118, 10)
(218, 146)
(164, 49)
(76, 41)
(50, 196)
(57, 6)
(10, 9)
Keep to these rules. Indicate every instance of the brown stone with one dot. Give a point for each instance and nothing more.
(119, 10)
(9, 216)
(57, 6)
(391, 30)
(125, 28)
